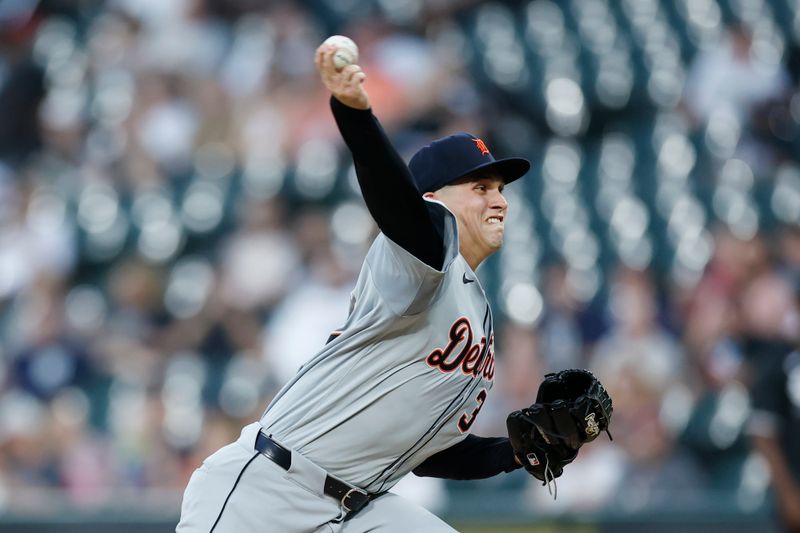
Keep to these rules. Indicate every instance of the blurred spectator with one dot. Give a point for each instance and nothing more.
(307, 317)
(260, 258)
(128, 340)
(730, 93)
(560, 327)
(26, 462)
(731, 78)
(22, 86)
(47, 360)
(34, 239)
(711, 330)
(715, 335)
(86, 463)
(637, 345)
(21, 93)
(774, 424)
(645, 370)
(789, 251)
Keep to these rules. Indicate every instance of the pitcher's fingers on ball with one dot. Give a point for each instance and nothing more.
(350, 71)
(324, 57)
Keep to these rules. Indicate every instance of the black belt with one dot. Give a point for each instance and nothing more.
(352, 499)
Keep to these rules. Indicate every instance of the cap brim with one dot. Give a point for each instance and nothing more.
(510, 168)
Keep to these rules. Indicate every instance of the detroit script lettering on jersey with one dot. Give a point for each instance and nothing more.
(460, 352)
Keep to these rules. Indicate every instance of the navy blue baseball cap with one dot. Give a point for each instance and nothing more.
(446, 160)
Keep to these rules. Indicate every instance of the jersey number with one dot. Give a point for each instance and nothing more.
(465, 422)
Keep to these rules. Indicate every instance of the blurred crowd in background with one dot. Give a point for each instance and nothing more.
(180, 226)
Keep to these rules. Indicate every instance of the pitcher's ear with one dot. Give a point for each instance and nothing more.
(429, 195)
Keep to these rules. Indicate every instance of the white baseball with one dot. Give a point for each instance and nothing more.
(346, 51)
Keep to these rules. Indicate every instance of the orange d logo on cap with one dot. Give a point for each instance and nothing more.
(481, 146)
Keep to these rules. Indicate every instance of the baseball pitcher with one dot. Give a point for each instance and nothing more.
(397, 388)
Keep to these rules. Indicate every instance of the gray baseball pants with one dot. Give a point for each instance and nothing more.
(238, 490)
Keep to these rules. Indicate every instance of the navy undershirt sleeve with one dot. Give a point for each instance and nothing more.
(472, 458)
(388, 188)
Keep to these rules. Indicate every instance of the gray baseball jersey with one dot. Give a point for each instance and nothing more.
(404, 378)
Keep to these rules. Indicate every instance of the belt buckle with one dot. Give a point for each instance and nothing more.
(358, 504)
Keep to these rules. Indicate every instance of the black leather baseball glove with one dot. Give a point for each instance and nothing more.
(571, 409)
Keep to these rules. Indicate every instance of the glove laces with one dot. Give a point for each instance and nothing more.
(550, 478)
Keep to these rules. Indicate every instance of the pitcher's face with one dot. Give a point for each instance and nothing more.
(480, 209)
